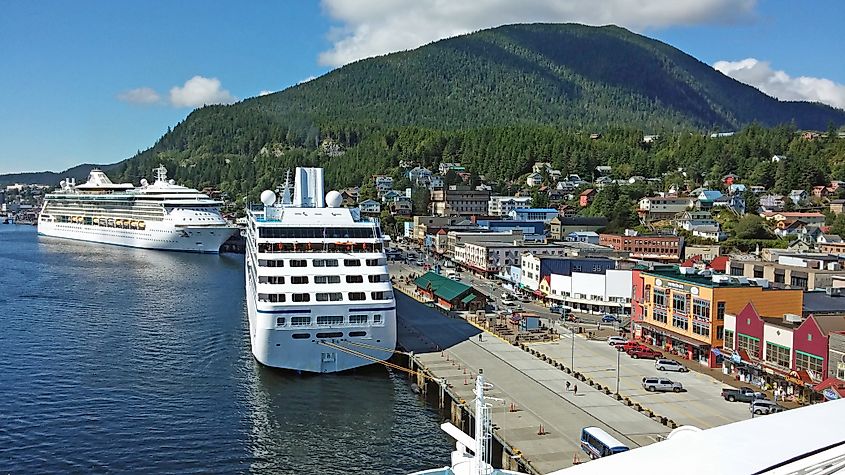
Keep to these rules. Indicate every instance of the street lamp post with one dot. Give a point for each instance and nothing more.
(618, 353)
(572, 353)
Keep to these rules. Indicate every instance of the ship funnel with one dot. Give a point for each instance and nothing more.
(308, 188)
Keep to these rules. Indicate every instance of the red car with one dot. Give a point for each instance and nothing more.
(646, 353)
(629, 345)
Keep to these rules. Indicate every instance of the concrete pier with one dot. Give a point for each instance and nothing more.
(537, 420)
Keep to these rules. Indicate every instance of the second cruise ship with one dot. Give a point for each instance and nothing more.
(159, 215)
(318, 292)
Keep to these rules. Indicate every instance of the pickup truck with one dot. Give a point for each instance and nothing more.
(645, 353)
(629, 345)
(743, 394)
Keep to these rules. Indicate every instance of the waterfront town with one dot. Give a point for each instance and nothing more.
(757, 292)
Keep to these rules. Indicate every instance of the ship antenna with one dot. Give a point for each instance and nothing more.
(161, 172)
(483, 425)
(286, 200)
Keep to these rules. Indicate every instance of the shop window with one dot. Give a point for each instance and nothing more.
(808, 362)
(779, 355)
(750, 344)
(681, 322)
(729, 340)
(679, 303)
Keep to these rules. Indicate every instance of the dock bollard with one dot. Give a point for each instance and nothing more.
(542, 430)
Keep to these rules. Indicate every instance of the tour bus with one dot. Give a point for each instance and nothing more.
(598, 443)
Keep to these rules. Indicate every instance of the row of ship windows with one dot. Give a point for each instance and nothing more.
(305, 336)
(323, 279)
(325, 233)
(325, 297)
(320, 262)
(328, 320)
(320, 247)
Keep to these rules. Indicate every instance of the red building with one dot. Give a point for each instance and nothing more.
(656, 247)
(586, 197)
(781, 351)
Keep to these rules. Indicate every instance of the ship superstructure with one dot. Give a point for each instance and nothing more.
(161, 215)
(319, 296)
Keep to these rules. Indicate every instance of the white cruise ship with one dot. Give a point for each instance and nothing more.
(318, 293)
(161, 215)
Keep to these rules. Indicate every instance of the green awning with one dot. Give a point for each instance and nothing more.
(469, 298)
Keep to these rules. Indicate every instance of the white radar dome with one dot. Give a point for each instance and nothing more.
(171, 181)
(268, 197)
(62, 183)
(144, 182)
(334, 199)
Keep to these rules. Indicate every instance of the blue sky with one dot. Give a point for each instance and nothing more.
(91, 81)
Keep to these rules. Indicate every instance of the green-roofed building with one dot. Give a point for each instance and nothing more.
(450, 294)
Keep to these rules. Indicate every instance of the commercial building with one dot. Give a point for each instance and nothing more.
(803, 271)
(708, 252)
(532, 231)
(430, 225)
(449, 294)
(607, 291)
(459, 200)
(503, 205)
(655, 247)
(490, 258)
(544, 215)
(458, 238)
(535, 268)
(684, 310)
(560, 226)
(781, 351)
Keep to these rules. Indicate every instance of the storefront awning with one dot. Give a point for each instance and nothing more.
(537, 293)
(670, 334)
(831, 388)
(716, 352)
(469, 298)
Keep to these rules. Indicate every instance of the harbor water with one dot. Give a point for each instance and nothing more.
(127, 360)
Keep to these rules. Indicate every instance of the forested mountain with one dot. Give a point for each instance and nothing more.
(79, 172)
(497, 100)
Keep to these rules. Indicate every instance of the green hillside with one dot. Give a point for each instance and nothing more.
(496, 100)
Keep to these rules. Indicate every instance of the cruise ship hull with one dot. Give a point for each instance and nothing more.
(202, 239)
(286, 349)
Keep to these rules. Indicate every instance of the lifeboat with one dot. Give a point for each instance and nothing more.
(142, 225)
(96, 221)
(110, 222)
(133, 224)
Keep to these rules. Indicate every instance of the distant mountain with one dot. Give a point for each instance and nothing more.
(555, 74)
(79, 172)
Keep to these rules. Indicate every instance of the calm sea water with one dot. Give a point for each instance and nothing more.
(125, 360)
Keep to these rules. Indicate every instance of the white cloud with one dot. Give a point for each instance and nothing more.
(141, 95)
(373, 27)
(778, 84)
(309, 78)
(265, 92)
(200, 91)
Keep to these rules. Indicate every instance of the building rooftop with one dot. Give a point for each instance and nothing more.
(830, 323)
(818, 301)
(441, 286)
(674, 273)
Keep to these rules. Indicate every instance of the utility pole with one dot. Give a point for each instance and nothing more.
(572, 353)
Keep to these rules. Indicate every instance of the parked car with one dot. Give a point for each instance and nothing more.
(616, 340)
(572, 318)
(661, 384)
(646, 353)
(663, 364)
(508, 303)
(744, 394)
(556, 309)
(609, 319)
(630, 345)
(764, 406)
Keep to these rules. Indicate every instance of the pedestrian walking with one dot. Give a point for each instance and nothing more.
(568, 384)
(574, 389)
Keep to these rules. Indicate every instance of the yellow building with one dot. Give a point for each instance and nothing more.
(684, 312)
